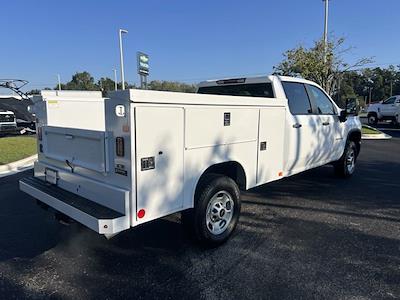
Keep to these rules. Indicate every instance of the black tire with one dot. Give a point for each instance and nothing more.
(345, 166)
(372, 119)
(211, 188)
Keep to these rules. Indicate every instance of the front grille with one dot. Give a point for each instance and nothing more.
(7, 118)
(7, 127)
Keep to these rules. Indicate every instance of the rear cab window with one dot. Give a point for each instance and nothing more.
(296, 93)
(263, 90)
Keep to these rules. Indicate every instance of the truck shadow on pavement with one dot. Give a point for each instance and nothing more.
(372, 187)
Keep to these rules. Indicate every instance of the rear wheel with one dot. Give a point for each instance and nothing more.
(216, 210)
(372, 119)
(346, 165)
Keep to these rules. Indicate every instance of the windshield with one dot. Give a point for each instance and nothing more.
(250, 90)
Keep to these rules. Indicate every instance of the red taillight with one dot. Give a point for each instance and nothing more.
(141, 213)
(119, 146)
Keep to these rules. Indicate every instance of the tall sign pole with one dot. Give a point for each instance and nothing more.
(143, 68)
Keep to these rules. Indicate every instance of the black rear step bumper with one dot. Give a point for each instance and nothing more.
(91, 214)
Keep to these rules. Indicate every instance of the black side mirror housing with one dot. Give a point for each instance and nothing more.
(352, 107)
(343, 115)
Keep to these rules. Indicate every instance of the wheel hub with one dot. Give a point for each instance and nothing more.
(350, 161)
(219, 212)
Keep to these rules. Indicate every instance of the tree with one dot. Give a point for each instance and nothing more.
(85, 82)
(309, 64)
(33, 92)
(172, 86)
(81, 81)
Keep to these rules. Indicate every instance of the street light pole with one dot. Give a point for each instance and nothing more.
(59, 82)
(121, 57)
(391, 88)
(326, 29)
(115, 79)
(370, 94)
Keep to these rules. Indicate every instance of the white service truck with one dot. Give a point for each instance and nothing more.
(116, 162)
(8, 122)
(387, 110)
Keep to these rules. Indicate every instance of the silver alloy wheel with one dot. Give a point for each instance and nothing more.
(350, 160)
(219, 212)
(372, 119)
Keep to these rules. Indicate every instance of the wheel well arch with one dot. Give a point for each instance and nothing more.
(232, 169)
(355, 136)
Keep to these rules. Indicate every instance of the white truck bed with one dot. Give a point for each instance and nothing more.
(181, 134)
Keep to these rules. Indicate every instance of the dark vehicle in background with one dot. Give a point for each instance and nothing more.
(22, 117)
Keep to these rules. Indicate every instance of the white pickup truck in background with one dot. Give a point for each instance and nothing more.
(8, 123)
(387, 110)
(116, 162)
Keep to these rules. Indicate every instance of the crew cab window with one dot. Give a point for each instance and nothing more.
(390, 100)
(296, 93)
(322, 103)
(249, 90)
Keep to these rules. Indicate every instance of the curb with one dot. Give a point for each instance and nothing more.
(378, 136)
(17, 166)
(375, 136)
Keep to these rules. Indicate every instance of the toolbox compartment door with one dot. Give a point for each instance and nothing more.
(270, 144)
(159, 150)
(76, 147)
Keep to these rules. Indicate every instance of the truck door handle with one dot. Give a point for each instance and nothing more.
(297, 125)
(325, 123)
(69, 136)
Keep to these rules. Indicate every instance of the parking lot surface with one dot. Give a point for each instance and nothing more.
(308, 236)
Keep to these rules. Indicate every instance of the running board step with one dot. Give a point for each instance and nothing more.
(91, 214)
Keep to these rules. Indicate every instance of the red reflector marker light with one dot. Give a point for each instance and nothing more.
(141, 213)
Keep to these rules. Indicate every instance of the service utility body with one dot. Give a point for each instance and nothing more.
(136, 155)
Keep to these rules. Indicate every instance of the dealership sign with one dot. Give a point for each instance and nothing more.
(143, 64)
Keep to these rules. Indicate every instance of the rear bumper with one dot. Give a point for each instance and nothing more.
(91, 214)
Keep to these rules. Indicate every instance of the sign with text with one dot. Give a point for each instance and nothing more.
(143, 64)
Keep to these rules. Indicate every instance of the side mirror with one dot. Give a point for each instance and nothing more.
(352, 107)
(343, 115)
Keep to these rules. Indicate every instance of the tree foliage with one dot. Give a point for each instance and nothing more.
(309, 63)
(83, 81)
(172, 86)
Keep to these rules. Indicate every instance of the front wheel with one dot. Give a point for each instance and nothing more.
(346, 165)
(372, 119)
(216, 210)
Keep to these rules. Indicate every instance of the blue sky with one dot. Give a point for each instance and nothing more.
(186, 40)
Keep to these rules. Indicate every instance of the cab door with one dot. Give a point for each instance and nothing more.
(301, 127)
(328, 127)
(388, 107)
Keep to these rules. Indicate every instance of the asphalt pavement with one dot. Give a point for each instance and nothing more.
(310, 236)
